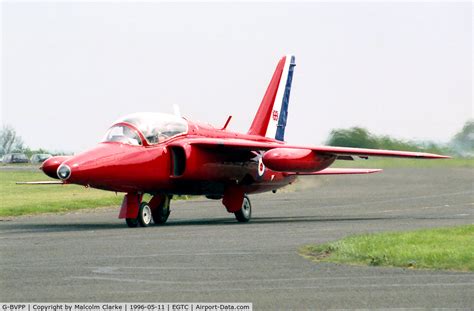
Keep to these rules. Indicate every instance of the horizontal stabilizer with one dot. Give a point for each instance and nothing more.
(49, 182)
(341, 171)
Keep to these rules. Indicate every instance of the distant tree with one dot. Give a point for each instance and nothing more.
(29, 152)
(463, 141)
(390, 143)
(10, 141)
(353, 137)
(362, 138)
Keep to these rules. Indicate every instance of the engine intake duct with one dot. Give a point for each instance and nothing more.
(178, 161)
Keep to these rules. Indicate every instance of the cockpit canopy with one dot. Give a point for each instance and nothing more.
(155, 127)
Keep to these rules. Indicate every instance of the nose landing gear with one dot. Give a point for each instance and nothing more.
(157, 210)
(161, 208)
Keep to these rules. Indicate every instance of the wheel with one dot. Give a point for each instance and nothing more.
(132, 222)
(244, 214)
(144, 215)
(161, 213)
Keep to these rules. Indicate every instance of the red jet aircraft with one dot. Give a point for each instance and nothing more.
(165, 155)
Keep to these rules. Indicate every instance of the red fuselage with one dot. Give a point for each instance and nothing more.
(173, 166)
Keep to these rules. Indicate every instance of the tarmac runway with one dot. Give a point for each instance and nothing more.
(203, 255)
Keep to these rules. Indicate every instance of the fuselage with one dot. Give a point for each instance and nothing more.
(134, 162)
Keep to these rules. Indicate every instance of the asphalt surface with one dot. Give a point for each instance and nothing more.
(203, 255)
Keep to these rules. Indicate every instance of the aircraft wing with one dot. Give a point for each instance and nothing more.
(344, 152)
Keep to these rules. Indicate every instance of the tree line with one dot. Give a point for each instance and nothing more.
(462, 144)
(11, 142)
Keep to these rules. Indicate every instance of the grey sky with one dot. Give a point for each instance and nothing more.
(70, 69)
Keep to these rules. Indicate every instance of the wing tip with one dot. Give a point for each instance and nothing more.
(340, 171)
(374, 170)
(434, 156)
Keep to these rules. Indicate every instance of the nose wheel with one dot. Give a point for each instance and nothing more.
(157, 211)
(144, 215)
(143, 219)
(162, 211)
(132, 222)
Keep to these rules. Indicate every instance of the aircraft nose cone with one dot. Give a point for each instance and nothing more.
(50, 166)
(64, 172)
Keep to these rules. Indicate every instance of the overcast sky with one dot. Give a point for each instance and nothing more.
(70, 69)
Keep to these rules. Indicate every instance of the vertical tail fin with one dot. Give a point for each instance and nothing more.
(270, 120)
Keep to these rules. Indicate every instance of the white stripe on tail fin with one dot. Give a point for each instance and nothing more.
(270, 120)
(277, 122)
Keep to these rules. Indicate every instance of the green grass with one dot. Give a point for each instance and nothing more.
(399, 163)
(19, 200)
(441, 248)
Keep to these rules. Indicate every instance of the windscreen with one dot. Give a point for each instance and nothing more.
(157, 127)
(122, 134)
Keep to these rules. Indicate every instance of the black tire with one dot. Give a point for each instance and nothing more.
(144, 215)
(161, 213)
(132, 222)
(245, 212)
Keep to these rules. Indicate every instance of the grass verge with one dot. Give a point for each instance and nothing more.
(441, 248)
(19, 200)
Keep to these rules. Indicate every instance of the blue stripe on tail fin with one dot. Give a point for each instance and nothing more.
(280, 133)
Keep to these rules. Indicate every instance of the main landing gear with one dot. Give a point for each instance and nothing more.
(237, 202)
(245, 212)
(157, 210)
